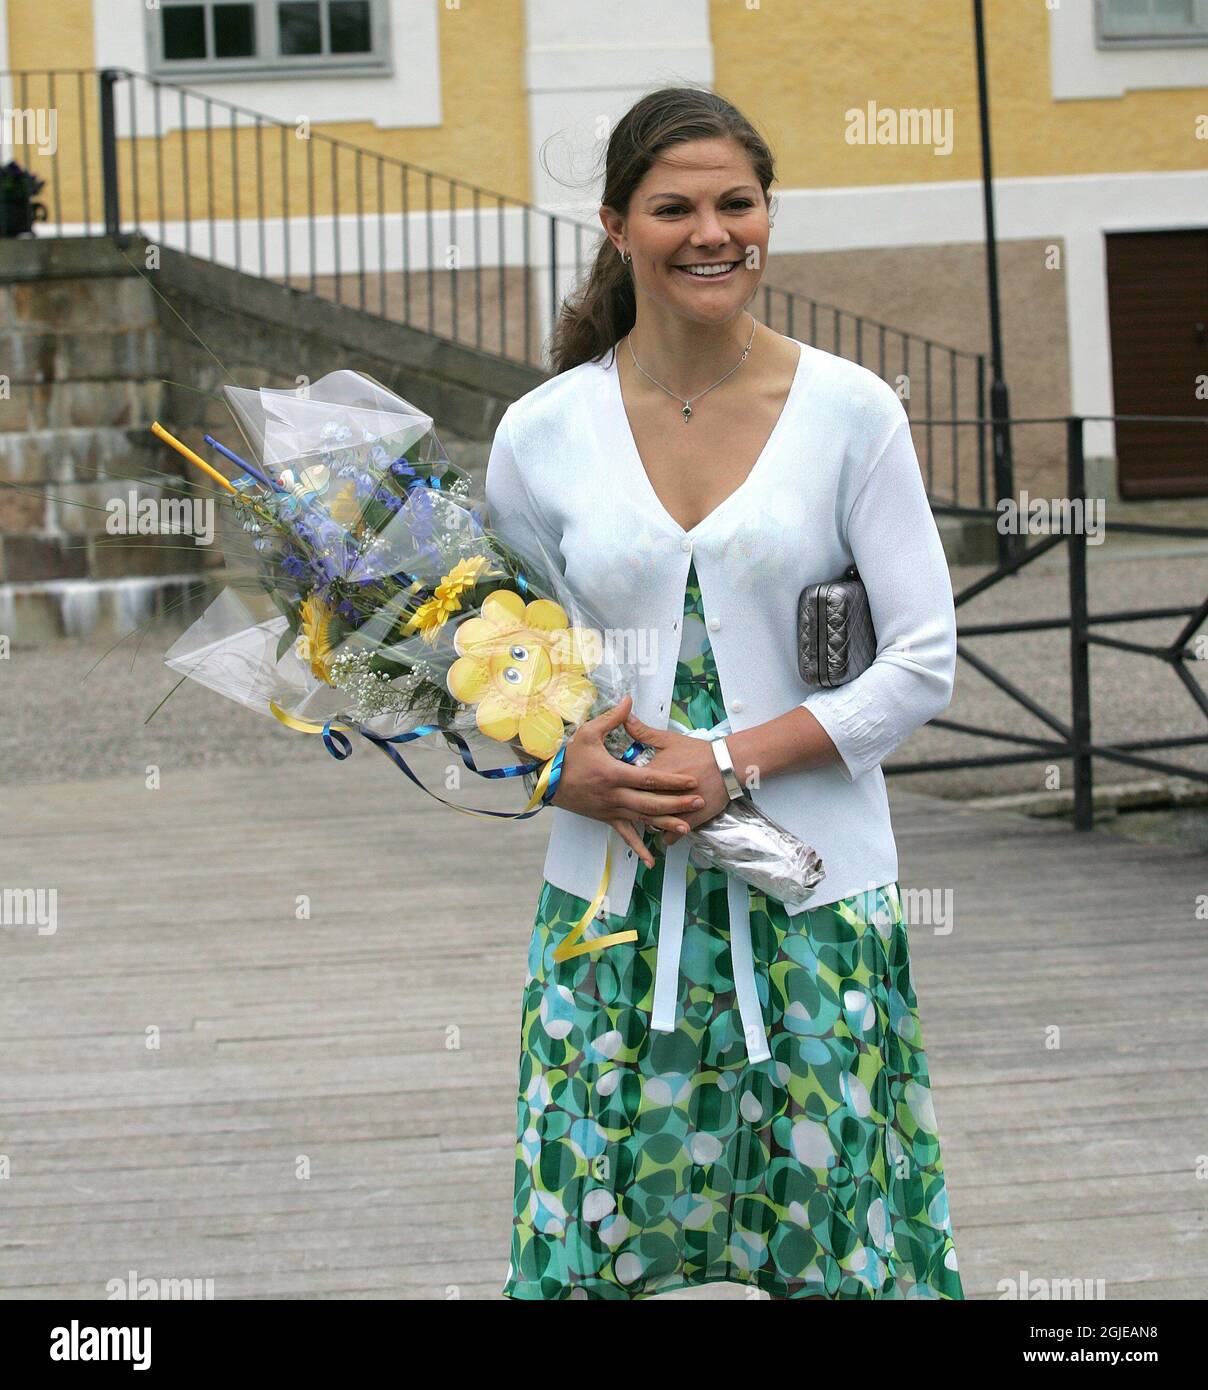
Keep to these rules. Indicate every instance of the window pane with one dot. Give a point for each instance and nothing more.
(1173, 16)
(1148, 18)
(184, 31)
(298, 22)
(234, 31)
(350, 26)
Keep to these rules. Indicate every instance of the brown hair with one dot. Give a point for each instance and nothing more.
(597, 316)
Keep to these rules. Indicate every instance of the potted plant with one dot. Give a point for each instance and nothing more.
(18, 211)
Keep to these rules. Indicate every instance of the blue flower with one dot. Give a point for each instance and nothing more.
(390, 500)
(422, 512)
(334, 432)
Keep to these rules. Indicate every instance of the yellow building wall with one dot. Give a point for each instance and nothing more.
(794, 67)
(483, 139)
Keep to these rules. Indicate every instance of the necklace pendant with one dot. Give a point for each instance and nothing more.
(686, 412)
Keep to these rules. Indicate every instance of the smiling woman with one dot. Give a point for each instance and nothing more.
(761, 1113)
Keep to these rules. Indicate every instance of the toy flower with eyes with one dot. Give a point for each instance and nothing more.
(525, 670)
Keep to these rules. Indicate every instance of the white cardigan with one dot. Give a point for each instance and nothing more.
(838, 481)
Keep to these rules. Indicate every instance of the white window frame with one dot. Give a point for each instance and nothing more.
(268, 63)
(1197, 35)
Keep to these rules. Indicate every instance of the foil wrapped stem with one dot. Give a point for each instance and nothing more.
(745, 841)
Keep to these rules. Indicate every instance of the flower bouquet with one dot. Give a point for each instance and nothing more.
(401, 614)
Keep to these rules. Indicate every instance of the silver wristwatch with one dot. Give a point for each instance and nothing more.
(721, 754)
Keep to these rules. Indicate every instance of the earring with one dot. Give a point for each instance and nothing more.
(625, 258)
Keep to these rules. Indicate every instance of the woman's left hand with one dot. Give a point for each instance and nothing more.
(681, 753)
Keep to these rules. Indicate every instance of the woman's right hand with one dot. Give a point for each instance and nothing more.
(594, 783)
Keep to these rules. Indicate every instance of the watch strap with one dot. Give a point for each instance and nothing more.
(721, 755)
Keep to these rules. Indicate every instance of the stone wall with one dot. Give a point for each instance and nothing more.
(95, 345)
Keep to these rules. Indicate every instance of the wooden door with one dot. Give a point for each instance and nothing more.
(1157, 285)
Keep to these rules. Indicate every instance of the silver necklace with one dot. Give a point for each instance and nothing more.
(686, 409)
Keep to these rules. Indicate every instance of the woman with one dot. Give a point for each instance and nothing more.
(760, 1111)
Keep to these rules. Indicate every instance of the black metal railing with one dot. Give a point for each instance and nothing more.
(214, 179)
(1074, 736)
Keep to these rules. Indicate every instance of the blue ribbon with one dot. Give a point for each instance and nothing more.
(340, 747)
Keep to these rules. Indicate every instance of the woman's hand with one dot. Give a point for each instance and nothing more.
(594, 783)
(680, 753)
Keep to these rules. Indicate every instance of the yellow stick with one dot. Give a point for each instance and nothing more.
(158, 430)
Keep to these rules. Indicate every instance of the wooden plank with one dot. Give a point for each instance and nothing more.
(380, 1038)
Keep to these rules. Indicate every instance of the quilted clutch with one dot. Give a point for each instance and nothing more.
(835, 637)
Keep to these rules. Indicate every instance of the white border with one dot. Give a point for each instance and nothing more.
(585, 65)
(1077, 210)
(1079, 68)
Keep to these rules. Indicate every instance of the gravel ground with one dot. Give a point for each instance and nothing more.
(63, 720)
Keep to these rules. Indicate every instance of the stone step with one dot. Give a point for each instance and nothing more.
(31, 614)
(102, 353)
(968, 540)
(39, 558)
(77, 305)
(83, 454)
(79, 404)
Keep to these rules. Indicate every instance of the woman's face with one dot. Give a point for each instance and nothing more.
(699, 205)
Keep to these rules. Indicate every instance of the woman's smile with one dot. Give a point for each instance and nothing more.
(708, 272)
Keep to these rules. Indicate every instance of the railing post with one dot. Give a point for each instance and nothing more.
(981, 429)
(553, 275)
(109, 182)
(1080, 684)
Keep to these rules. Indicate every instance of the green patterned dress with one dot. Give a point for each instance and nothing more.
(650, 1161)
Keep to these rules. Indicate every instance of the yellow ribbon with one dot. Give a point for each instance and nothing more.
(571, 945)
(304, 726)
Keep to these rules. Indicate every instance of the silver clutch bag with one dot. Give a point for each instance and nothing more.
(835, 637)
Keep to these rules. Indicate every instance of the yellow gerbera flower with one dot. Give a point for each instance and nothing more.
(432, 615)
(314, 637)
(345, 506)
(525, 670)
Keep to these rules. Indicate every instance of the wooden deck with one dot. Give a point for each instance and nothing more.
(330, 1108)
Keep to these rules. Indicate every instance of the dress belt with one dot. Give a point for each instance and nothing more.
(671, 936)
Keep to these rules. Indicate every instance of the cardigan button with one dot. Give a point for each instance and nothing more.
(714, 624)
(736, 706)
(685, 545)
